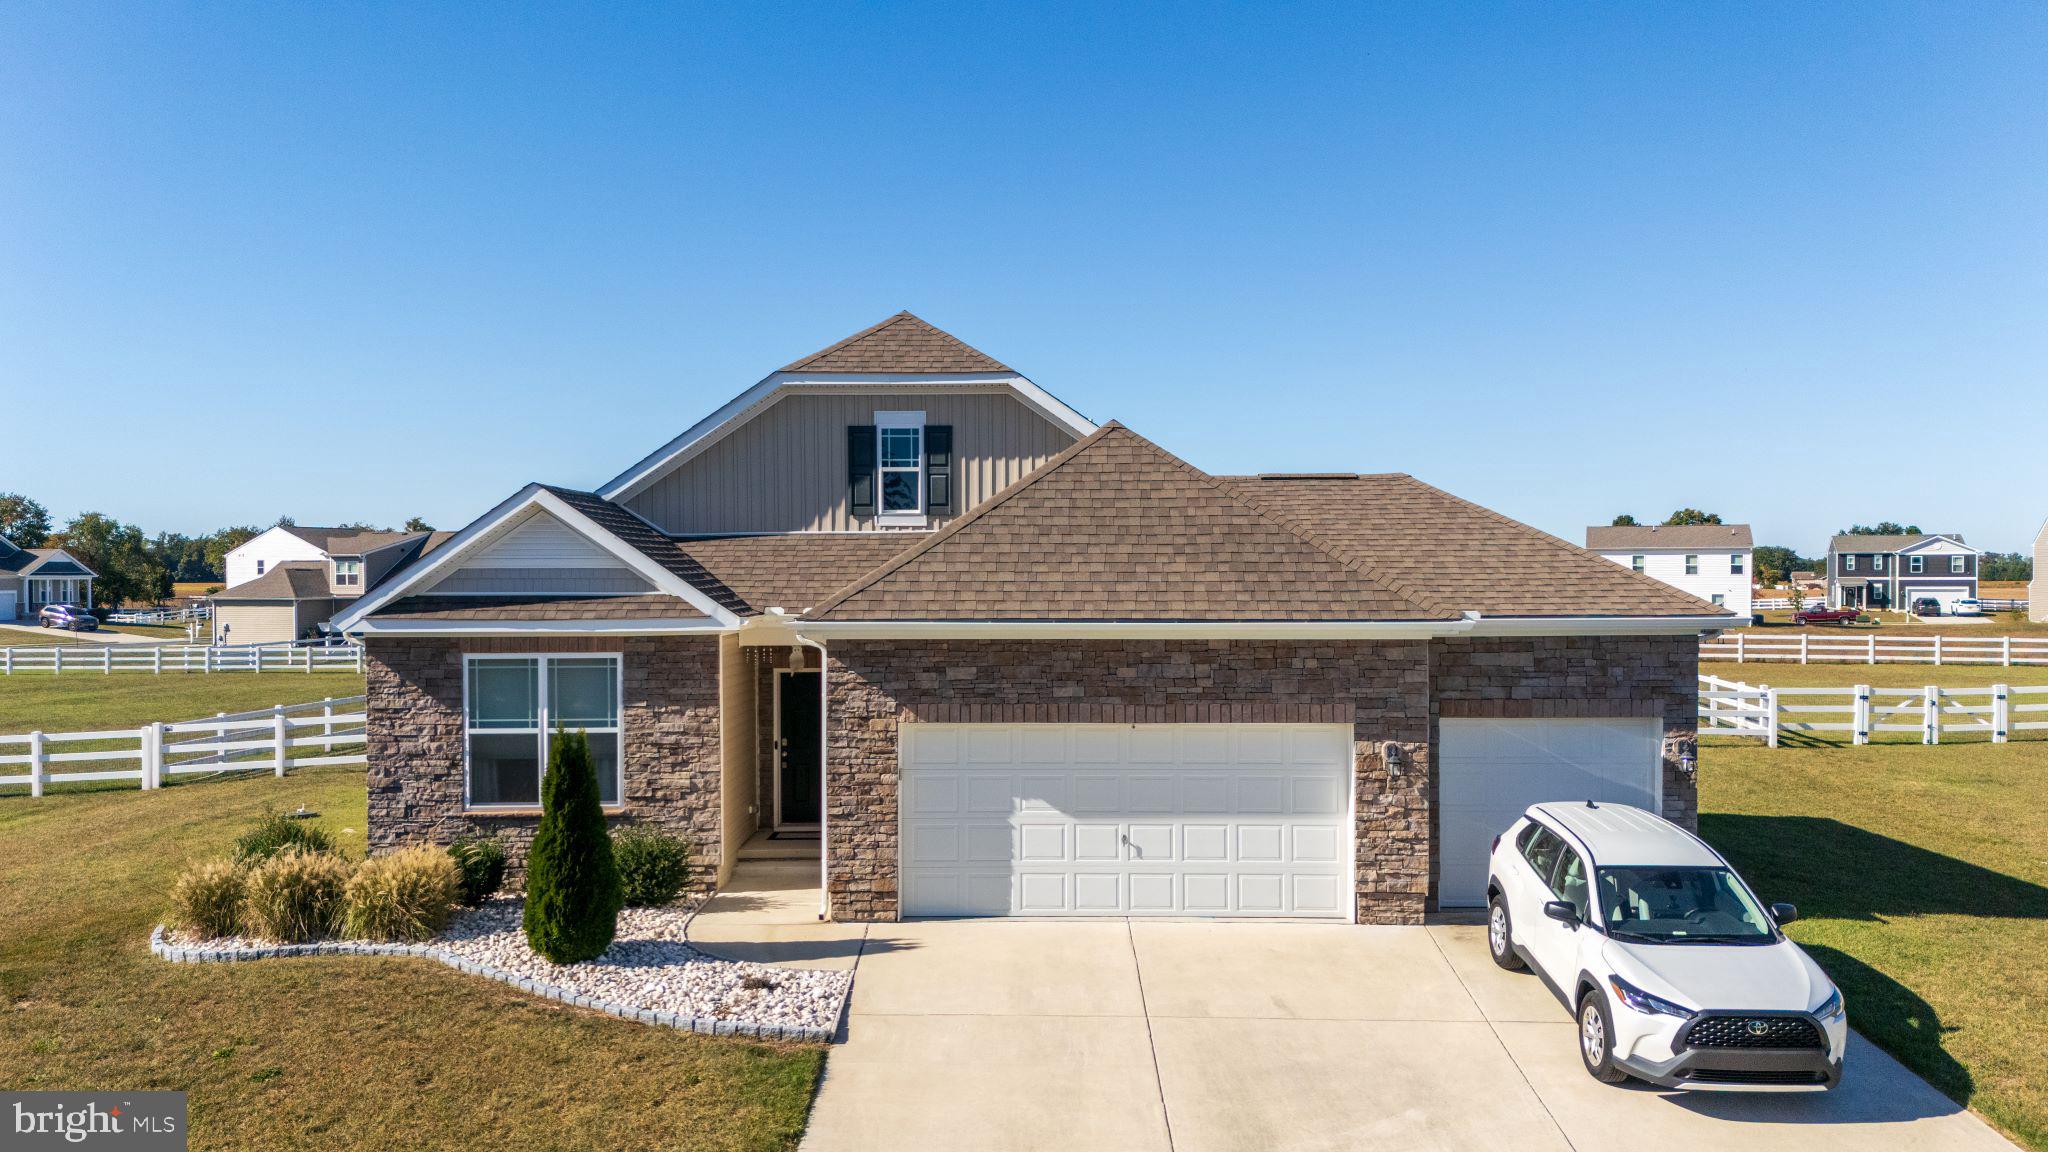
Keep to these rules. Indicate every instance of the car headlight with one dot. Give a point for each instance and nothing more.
(1643, 1002)
(1831, 1009)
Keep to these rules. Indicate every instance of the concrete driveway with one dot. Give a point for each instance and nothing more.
(1202, 1037)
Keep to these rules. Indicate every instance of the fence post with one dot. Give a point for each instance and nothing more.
(327, 718)
(2000, 710)
(1738, 647)
(1771, 707)
(143, 753)
(157, 661)
(35, 763)
(58, 666)
(1930, 711)
(209, 658)
(1860, 720)
(2007, 646)
(278, 730)
(1803, 638)
(107, 659)
(1937, 649)
(9, 654)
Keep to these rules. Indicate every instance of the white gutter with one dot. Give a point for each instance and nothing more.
(1138, 629)
(679, 627)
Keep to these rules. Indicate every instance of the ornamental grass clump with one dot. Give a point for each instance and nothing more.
(277, 832)
(295, 896)
(405, 895)
(207, 899)
(653, 866)
(482, 863)
(572, 882)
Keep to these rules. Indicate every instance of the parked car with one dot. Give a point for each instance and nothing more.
(1967, 606)
(1677, 973)
(1822, 614)
(1926, 606)
(69, 616)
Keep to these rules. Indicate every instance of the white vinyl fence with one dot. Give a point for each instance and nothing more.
(1875, 648)
(1732, 708)
(162, 615)
(153, 753)
(185, 658)
(1992, 605)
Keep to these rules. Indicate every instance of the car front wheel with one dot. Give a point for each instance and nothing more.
(1500, 936)
(1596, 1040)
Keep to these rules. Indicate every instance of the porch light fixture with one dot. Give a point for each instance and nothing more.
(1390, 753)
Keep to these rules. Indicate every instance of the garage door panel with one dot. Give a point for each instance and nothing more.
(1117, 819)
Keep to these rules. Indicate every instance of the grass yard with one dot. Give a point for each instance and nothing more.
(90, 701)
(327, 1053)
(1923, 886)
(1794, 675)
(163, 633)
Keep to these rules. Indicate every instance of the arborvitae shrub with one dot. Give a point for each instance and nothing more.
(572, 881)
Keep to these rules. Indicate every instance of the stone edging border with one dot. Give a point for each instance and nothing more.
(704, 1025)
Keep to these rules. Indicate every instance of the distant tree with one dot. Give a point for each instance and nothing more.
(25, 523)
(361, 526)
(1690, 516)
(129, 570)
(1623, 521)
(285, 522)
(415, 524)
(1775, 564)
(2006, 566)
(1881, 528)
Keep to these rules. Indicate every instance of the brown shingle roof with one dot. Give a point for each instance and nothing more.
(638, 534)
(1867, 543)
(347, 541)
(795, 570)
(1118, 529)
(1467, 556)
(1708, 536)
(902, 343)
(652, 606)
(291, 580)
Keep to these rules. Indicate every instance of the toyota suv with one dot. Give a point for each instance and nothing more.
(1676, 973)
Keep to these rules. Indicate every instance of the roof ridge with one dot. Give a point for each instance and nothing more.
(925, 327)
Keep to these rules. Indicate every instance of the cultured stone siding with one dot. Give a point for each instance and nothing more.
(669, 709)
(1381, 689)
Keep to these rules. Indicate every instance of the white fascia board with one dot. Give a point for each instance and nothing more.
(445, 558)
(690, 626)
(1604, 625)
(1128, 629)
(52, 558)
(1940, 544)
(708, 431)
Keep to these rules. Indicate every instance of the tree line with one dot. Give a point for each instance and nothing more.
(133, 566)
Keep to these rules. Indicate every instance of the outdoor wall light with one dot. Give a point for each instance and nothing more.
(1390, 753)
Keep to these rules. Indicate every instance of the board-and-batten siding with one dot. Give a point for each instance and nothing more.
(275, 623)
(540, 555)
(785, 469)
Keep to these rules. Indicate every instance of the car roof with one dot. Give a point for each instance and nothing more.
(1617, 834)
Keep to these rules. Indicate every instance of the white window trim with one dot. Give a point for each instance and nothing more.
(1736, 564)
(352, 577)
(1849, 564)
(259, 567)
(469, 659)
(1635, 563)
(900, 518)
(1956, 567)
(1692, 565)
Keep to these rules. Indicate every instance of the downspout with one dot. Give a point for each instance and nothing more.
(824, 809)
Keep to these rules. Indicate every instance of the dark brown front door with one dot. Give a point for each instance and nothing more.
(802, 756)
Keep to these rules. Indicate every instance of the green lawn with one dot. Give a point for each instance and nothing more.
(1795, 675)
(337, 1053)
(89, 701)
(1923, 886)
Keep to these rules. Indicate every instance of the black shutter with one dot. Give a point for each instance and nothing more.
(860, 468)
(938, 468)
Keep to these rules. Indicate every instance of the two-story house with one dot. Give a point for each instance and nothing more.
(287, 583)
(899, 604)
(31, 578)
(1710, 561)
(1892, 573)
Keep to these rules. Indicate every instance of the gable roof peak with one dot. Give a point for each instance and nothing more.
(903, 344)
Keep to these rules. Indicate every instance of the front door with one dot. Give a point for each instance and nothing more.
(801, 770)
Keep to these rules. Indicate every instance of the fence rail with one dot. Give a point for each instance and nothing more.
(1875, 648)
(1733, 708)
(162, 615)
(1997, 605)
(202, 658)
(153, 753)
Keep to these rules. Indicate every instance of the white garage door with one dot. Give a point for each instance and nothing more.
(1118, 819)
(1489, 771)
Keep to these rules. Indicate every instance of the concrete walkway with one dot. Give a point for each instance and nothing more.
(1205, 1036)
(17, 636)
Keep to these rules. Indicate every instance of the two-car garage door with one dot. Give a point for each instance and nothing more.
(1121, 819)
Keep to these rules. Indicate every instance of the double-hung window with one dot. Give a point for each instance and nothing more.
(348, 573)
(1692, 565)
(1635, 563)
(512, 706)
(1848, 563)
(1957, 564)
(1735, 563)
(899, 456)
(1916, 564)
(1877, 563)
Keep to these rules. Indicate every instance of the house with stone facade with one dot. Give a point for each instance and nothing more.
(903, 609)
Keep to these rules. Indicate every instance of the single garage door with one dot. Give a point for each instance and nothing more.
(1119, 819)
(1489, 771)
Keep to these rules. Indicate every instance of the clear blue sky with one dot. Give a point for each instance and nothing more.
(1783, 262)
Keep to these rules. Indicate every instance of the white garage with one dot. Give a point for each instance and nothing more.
(1122, 819)
(1489, 771)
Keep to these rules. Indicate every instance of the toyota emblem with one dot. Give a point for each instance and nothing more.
(1757, 1027)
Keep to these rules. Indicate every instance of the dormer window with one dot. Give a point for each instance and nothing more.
(899, 470)
(348, 573)
(899, 456)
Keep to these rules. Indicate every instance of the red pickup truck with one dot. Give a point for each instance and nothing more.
(1825, 615)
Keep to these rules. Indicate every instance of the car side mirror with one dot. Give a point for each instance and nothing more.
(1784, 913)
(1563, 911)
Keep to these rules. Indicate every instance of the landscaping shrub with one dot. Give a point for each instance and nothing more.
(572, 881)
(277, 832)
(653, 866)
(295, 896)
(482, 863)
(403, 896)
(207, 898)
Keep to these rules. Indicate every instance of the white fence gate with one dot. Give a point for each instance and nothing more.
(1732, 708)
(241, 742)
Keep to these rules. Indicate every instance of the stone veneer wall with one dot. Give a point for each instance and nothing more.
(1380, 688)
(672, 754)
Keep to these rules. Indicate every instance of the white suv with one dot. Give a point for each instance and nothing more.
(1676, 972)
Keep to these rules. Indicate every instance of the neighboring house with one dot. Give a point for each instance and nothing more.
(286, 583)
(1710, 561)
(1891, 572)
(997, 659)
(1808, 583)
(33, 577)
(2037, 588)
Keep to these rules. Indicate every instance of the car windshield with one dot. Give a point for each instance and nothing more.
(1680, 906)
